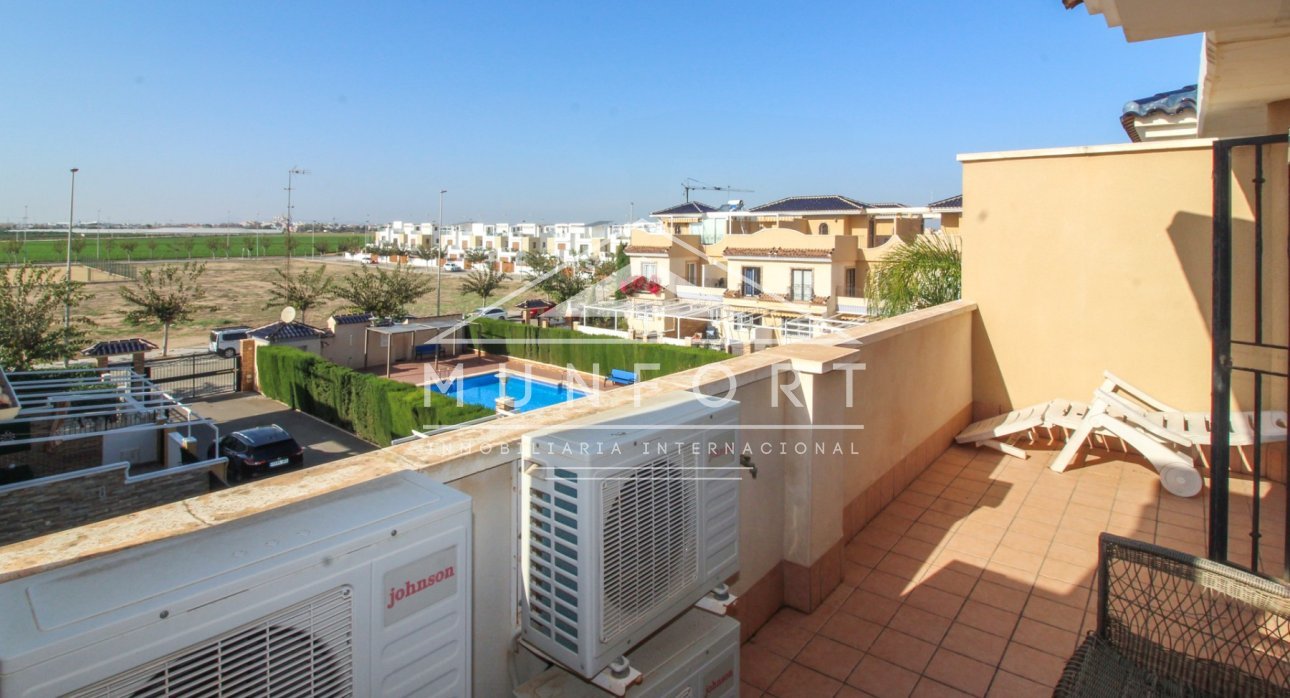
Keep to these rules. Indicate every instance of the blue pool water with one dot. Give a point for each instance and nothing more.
(529, 393)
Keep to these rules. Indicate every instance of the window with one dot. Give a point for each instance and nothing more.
(851, 283)
(691, 273)
(752, 281)
(649, 270)
(824, 229)
(803, 285)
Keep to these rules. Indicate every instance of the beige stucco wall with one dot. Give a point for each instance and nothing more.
(1084, 260)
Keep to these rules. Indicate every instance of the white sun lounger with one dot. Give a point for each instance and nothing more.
(1120, 409)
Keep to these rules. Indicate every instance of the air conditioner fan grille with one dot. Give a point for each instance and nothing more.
(650, 531)
(304, 650)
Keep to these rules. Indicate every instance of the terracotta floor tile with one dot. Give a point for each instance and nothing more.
(972, 545)
(851, 630)
(940, 519)
(1073, 595)
(877, 537)
(782, 638)
(921, 624)
(961, 495)
(1045, 637)
(759, 666)
(1053, 613)
(1008, 685)
(1036, 665)
(949, 580)
(999, 595)
(851, 692)
(904, 510)
(829, 657)
(1081, 575)
(902, 650)
(810, 622)
(917, 549)
(918, 499)
(749, 691)
(930, 688)
(1035, 545)
(862, 553)
(889, 521)
(941, 603)
(962, 672)
(1027, 561)
(946, 506)
(798, 681)
(884, 584)
(879, 677)
(838, 596)
(901, 566)
(871, 607)
(988, 618)
(854, 573)
(977, 644)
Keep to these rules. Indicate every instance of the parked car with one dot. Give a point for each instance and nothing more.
(258, 451)
(227, 341)
(489, 311)
(369, 260)
(452, 266)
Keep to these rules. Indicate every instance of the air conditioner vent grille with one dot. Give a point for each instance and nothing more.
(553, 570)
(650, 523)
(303, 650)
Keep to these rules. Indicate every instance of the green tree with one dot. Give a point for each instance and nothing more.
(167, 294)
(381, 292)
(302, 290)
(128, 245)
(540, 265)
(151, 243)
(188, 243)
(928, 271)
(32, 301)
(78, 246)
(427, 252)
(482, 281)
(320, 247)
(13, 248)
(479, 255)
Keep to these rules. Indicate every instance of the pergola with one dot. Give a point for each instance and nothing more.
(76, 403)
(673, 309)
(794, 326)
(412, 328)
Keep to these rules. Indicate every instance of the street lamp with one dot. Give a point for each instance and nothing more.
(290, 173)
(67, 278)
(438, 288)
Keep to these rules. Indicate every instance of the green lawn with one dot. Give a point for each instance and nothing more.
(149, 247)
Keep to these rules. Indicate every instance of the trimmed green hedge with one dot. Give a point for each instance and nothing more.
(600, 356)
(377, 409)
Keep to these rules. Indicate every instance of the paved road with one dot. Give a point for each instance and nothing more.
(322, 442)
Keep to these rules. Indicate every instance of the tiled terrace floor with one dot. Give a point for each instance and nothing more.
(977, 580)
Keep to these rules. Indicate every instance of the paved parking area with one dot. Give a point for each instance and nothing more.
(322, 442)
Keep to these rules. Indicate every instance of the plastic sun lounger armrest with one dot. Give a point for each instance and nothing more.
(1114, 384)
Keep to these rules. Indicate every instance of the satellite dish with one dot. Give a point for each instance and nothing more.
(287, 315)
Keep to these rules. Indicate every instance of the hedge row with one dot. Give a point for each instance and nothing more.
(587, 353)
(377, 409)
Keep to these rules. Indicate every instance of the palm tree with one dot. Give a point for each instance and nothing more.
(478, 255)
(482, 281)
(928, 271)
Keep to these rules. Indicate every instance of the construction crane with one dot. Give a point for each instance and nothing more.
(691, 184)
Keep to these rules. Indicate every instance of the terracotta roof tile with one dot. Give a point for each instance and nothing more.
(778, 252)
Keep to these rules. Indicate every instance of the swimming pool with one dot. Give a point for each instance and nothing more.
(529, 393)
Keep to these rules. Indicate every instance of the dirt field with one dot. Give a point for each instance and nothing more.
(239, 291)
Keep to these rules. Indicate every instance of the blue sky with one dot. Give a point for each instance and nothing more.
(188, 111)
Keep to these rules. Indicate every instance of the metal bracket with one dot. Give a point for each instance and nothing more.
(718, 601)
(617, 677)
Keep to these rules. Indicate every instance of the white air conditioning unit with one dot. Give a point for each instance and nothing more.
(697, 656)
(362, 592)
(628, 518)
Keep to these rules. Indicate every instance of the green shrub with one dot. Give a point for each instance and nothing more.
(377, 409)
(599, 356)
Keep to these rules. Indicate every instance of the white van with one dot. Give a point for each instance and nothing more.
(227, 341)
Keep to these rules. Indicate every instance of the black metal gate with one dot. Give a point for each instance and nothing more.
(196, 376)
(1251, 346)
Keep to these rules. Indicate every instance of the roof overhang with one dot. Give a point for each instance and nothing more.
(1242, 72)
(1154, 19)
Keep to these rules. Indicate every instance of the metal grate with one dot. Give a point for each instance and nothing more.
(554, 603)
(650, 549)
(303, 650)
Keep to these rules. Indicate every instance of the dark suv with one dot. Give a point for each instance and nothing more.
(259, 451)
